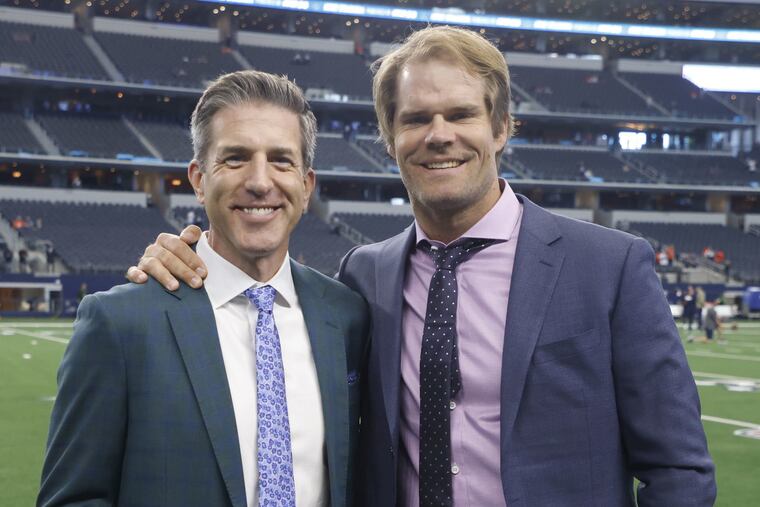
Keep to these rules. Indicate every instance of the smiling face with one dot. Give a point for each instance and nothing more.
(445, 147)
(254, 187)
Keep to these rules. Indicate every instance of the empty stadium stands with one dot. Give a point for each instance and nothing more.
(342, 73)
(378, 153)
(580, 91)
(171, 140)
(148, 60)
(697, 169)
(572, 164)
(48, 51)
(15, 135)
(741, 249)
(185, 63)
(375, 226)
(91, 136)
(336, 154)
(315, 244)
(679, 96)
(90, 237)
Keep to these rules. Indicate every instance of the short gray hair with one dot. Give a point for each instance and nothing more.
(248, 86)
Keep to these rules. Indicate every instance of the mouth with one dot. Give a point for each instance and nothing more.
(257, 211)
(444, 164)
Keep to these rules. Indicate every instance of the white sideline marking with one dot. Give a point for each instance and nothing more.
(724, 356)
(733, 343)
(731, 422)
(35, 324)
(720, 375)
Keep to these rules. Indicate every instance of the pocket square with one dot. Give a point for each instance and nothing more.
(352, 378)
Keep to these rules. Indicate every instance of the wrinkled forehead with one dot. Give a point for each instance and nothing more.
(257, 122)
(437, 82)
(440, 59)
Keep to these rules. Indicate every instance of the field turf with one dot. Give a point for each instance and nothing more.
(728, 375)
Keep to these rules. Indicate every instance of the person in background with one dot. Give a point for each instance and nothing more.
(712, 324)
(689, 307)
(699, 303)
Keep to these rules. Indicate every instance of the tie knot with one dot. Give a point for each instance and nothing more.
(261, 297)
(452, 256)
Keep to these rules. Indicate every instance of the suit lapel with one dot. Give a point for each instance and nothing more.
(537, 265)
(329, 353)
(390, 271)
(194, 326)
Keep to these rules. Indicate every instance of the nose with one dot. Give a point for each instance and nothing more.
(258, 179)
(440, 134)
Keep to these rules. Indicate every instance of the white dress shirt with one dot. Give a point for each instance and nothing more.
(235, 323)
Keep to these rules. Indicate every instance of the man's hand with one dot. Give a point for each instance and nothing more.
(170, 257)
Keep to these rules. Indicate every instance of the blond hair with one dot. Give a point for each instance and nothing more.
(476, 55)
(248, 86)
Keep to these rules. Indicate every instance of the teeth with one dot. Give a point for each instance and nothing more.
(443, 165)
(258, 211)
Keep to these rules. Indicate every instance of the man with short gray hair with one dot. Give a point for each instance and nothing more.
(243, 394)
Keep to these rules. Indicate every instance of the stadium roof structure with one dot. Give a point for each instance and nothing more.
(690, 13)
(673, 29)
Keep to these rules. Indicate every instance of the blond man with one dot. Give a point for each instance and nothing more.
(518, 357)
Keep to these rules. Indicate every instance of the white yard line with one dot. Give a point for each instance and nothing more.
(731, 422)
(724, 356)
(38, 336)
(739, 345)
(37, 325)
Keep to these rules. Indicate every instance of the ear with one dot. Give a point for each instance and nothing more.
(501, 139)
(309, 182)
(391, 151)
(196, 175)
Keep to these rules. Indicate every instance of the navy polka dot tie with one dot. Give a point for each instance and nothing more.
(440, 379)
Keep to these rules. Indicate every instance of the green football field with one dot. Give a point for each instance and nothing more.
(728, 375)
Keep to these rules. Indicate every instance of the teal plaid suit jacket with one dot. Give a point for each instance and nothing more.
(144, 415)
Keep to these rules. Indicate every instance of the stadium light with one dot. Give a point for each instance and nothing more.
(476, 19)
(723, 78)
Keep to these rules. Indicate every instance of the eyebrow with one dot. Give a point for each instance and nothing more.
(282, 151)
(233, 150)
(469, 109)
(240, 149)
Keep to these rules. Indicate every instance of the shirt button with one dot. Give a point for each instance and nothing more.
(454, 468)
(452, 405)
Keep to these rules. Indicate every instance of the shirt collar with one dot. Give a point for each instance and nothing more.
(499, 223)
(225, 281)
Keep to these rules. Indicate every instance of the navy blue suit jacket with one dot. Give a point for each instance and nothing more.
(144, 415)
(595, 387)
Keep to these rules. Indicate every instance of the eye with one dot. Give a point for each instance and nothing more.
(233, 161)
(460, 116)
(282, 161)
(415, 120)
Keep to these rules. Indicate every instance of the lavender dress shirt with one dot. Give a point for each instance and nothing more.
(483, 294)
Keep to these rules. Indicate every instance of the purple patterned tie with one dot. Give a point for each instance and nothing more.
(275, 460)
